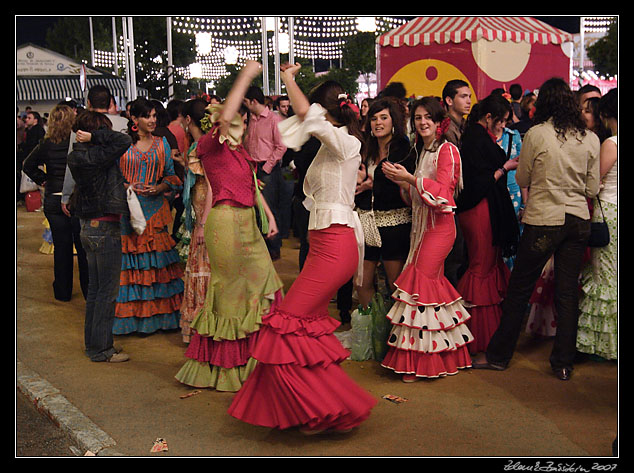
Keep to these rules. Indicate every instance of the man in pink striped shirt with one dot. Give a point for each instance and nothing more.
(264, 144)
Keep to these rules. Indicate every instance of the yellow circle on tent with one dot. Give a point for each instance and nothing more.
(427, 77)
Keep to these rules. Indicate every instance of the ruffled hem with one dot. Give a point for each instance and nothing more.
(209, 324)
(203, 375)
(147, 277)
(483, 323)
(127, 325)
(134, 292)
(428, 317)
(149, 308)
(318, 398)
(154, 238)
(414, 288)
(427, 365)
(485, 290)
(222, 353)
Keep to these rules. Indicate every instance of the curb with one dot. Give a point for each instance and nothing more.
(50, 402)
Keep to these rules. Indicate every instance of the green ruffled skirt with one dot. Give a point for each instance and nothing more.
(598, 320)
(243, 286)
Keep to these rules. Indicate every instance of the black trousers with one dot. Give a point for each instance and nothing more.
(65, 232)
(567, 243)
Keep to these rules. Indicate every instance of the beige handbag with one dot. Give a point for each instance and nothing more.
(370, 230)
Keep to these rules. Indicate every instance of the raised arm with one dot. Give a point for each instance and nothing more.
(235, 97)
(298, 100)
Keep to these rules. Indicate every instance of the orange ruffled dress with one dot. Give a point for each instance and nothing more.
(151, 285)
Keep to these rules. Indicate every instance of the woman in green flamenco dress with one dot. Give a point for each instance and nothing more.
(243, 283)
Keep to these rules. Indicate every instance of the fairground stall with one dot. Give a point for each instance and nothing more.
(486, 52)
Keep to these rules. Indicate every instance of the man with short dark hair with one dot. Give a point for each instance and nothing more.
(264, 144)
(456, 97)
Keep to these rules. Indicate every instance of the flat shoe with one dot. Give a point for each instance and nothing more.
(118, 358)
(409, 378)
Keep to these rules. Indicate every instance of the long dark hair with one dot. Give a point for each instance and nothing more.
(332, 97)
(556, 101)
(194, 109)
(399, 131)
(495, 104)
(140, 107)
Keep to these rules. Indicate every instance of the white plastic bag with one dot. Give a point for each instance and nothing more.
(137, 219)
(361, 338)
(27, 184)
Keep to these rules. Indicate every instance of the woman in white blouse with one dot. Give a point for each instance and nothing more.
(298, 381)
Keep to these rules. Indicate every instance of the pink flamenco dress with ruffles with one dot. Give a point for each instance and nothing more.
(429, 335)
(299, 380)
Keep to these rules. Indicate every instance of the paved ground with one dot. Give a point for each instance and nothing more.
(121, 409)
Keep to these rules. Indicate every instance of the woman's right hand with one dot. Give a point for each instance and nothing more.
(289, 71)
(252, 68)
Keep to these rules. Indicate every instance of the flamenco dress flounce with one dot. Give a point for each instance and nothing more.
(429, 336)
(298, 380)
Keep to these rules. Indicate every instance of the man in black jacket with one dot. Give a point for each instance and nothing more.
(99, 202)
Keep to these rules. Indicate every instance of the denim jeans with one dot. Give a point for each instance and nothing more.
(102, 243)
(567, 243)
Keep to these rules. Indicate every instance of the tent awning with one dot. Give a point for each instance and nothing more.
(441, 30)
(58, 88)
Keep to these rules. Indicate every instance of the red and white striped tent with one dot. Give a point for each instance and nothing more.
(489, 52)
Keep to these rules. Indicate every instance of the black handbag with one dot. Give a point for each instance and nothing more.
(599, 232)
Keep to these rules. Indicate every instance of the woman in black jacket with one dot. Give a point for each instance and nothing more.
(100, 201)
(486, 217)
(51, 153)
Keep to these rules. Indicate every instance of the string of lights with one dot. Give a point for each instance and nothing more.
(315, 37)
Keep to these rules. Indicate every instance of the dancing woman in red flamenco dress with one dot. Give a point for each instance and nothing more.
(298, 381)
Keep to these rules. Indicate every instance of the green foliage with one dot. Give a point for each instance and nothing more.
(604, 53)
(70, 36)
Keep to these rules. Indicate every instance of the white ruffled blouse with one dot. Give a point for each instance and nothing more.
(331, 178)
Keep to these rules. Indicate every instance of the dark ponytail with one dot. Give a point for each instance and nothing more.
(333, 98)
(495, 104)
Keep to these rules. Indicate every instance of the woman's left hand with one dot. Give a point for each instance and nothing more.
(272, 228)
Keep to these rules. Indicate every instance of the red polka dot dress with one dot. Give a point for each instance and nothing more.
(429, 334)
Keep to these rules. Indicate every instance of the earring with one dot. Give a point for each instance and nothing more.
(135, 128)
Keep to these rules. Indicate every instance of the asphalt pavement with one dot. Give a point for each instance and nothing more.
(121, 409)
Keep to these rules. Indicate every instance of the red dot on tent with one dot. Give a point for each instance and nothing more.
(459, 314)
(431, 73)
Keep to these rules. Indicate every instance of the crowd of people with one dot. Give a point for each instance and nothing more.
(476, 214)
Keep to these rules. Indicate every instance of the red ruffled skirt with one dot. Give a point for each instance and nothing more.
(483, 286)
(298, 380)
(429, 334)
